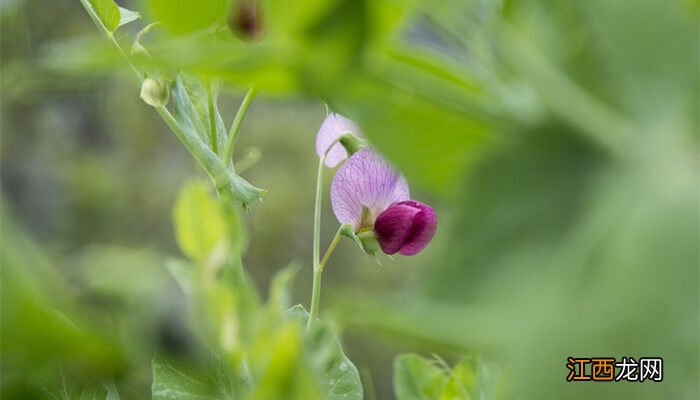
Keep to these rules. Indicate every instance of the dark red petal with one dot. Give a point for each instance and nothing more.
(423, 229)
(394, 226)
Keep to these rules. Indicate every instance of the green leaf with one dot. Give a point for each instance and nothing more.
(203, 224)
(182, 271)
(473, 378)
(127, 16)
(112, 393)
(281, 287)
(108, 13)
(186, 16)
(170, 383)
(416, 378)
(339, 376)
(194, 110)
(190, 105)
(284, 373)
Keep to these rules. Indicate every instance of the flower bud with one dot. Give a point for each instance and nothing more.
(244, 19)
(405, 227)
(155, 93)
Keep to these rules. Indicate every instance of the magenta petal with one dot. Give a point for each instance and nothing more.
(332, 128)
(366, 180)
(405, 227)
(393, 227)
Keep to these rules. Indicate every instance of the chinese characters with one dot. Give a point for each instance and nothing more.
(602, 369)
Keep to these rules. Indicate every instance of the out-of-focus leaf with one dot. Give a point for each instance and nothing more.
(281, 287)
(416, 378)
(427, 113)
(171, 383)
(40, 324)
(108, 12)
(184, 16)
(127, 16)
(112, 393)
(53, 384)
(472, 378)
(202, 223)
(183, 272)
(284, 372)
(340, 378)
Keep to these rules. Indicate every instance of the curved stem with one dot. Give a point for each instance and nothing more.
(316, 290)
(231, 140)
(330, 250)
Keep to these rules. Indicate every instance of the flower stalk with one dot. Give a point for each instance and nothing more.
(316, 289)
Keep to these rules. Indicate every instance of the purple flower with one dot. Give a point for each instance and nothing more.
(334, 126)
(405, 227)
(371, 196)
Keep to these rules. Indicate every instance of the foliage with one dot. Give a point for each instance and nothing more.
(417, 378)
(559, 139)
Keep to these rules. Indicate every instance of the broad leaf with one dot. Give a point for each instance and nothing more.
(171, 383)
(474, 379)
(416, 378)
(339, 376)
(281, 287)
(202, 223)
(282, 368)
(185, 16)
(108, 12)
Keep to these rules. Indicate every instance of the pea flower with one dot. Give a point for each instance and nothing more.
(371, 196)
(328, 139)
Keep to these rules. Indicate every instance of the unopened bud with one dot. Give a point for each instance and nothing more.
(244, 19)
(155, 93)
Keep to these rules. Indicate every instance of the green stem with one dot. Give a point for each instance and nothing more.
(330, 250)
(212, 164)
(316, 289)
(231, 141)
(103, 29)
(317, 213)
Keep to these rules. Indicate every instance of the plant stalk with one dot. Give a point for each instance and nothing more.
(210, 162)
(316, 289)
(235, 127)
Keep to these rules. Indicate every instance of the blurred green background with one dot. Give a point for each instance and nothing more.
(558, 142)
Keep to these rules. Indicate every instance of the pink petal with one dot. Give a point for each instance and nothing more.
(405, 227)
(393, 226)
(366, 180)
(332, 128)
